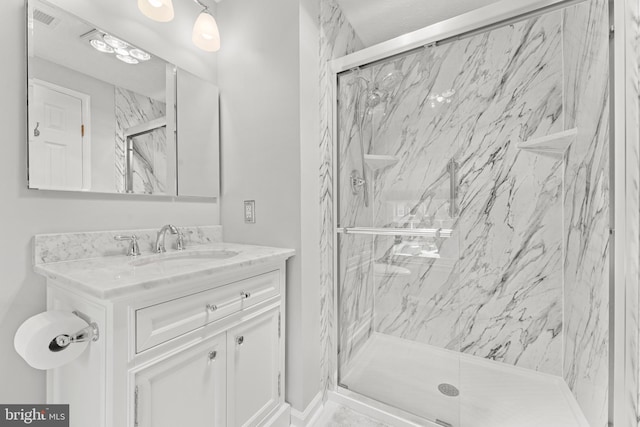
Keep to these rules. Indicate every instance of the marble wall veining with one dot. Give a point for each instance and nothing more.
(586, 207)
(511, 283)
(632, 211)
(337, 38)
(494, 289)
(149, 150)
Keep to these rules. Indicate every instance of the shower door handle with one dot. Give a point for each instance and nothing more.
(452, 168)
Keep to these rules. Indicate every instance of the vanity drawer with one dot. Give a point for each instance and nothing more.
(162, 322)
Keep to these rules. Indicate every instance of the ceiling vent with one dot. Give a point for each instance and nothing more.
(45, 18)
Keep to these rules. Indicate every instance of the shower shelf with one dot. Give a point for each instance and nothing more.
(554, 145)
(420, 255)
(378, 161)
(426, 232)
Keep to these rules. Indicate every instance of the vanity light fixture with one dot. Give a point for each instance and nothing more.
(205, 30)
(106, 43)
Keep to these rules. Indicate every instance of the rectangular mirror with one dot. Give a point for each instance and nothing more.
(102, 114)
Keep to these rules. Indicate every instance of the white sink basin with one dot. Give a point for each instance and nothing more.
(180, 257)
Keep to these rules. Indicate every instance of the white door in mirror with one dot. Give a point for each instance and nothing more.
(55, 140)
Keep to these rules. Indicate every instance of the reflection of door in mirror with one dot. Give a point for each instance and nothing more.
(58, 152)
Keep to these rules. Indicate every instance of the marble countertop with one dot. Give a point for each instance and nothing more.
(117, 276)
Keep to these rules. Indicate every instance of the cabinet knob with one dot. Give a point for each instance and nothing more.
(212, 307)
(240, 340)
(245, 295)
(212, 355)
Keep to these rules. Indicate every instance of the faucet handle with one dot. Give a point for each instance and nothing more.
(134, 249)
(180, 242)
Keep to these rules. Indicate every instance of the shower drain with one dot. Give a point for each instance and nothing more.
(448, 390)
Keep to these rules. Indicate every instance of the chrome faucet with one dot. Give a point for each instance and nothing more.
(134, 248)
(161, 238)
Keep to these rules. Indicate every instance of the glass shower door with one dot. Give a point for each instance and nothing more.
(398, 249)
(473, 225)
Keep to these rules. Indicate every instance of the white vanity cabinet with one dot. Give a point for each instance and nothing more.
(203, 351)
(253, 377)
(188, 388)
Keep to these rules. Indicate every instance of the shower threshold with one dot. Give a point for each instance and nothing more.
(406, 375)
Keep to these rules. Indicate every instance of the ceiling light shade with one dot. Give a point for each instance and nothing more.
(158, 10)
(205, 32)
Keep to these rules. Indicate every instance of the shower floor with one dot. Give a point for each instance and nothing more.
(406, 375)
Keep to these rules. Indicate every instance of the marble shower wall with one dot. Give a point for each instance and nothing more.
(494, 289)
(632, 201)
(586, 207)
(149, 151)
(337, 38)
(524, 278)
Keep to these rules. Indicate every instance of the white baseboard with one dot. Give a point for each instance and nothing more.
(279, 418)
(310, 413)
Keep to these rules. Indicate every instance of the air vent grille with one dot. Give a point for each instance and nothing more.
(43, 17)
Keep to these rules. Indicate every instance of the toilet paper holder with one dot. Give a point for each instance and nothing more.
(88, 333)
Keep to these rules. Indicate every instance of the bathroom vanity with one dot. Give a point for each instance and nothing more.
(187, 338)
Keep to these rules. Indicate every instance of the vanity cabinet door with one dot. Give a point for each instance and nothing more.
(253, 377)
(186, 389)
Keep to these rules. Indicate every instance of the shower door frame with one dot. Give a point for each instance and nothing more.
(622, 339)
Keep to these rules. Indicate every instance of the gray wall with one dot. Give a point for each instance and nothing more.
(268, 82)
(24, 213)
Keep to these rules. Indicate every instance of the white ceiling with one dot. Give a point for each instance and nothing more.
(61, 43)
(376, 21)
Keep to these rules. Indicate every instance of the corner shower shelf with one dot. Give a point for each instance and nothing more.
(554, 145)
(423, 254)
(390, 270)
(378, 161)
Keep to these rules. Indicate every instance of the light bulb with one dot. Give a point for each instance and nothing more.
(140, 54)
(114, 42)
(123, 52)
(101, 46)
(205, 32)
(127, 59)
(158, 10)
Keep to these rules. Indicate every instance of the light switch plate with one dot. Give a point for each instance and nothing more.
(250, 211)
